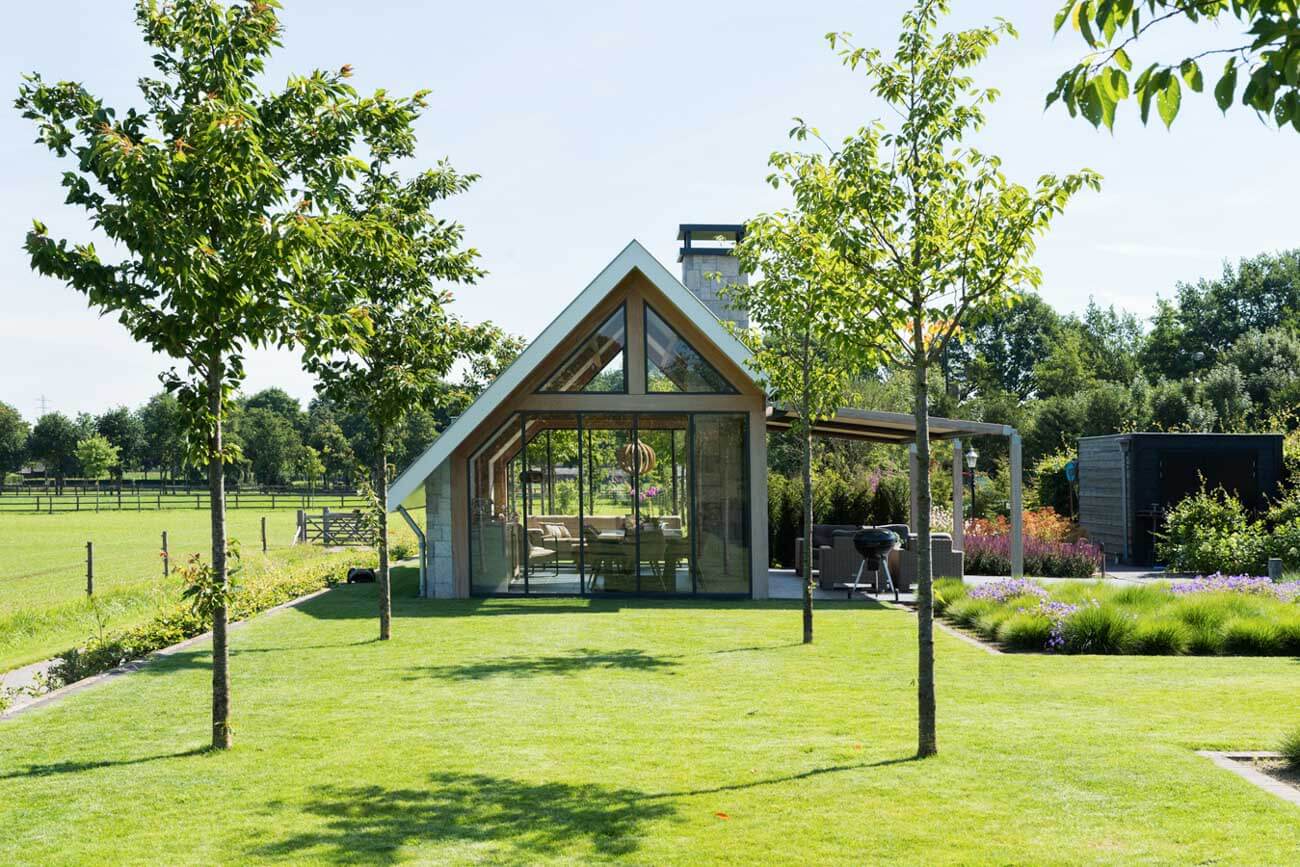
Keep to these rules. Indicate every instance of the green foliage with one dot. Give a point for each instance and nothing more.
(1051, 487)
(54, 442)
(206, 593)
(1025, 630)
(13, 439)
(1252, 637)
(1209, 532)
(96, 455)
(177, 622)
(966, 610)
(1289, 747)
(1265, 54)
(1105, 629)
(946, 592)
(1160, 637)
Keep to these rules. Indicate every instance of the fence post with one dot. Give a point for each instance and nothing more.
(272, 501)
(300, 535)
(264, 534)
(77, 494)
(166, 556)
(160, 501)
(90, 568)
(325, 526)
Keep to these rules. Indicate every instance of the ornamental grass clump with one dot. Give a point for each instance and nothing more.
(1098, 629)
(1290, 748)
(1160, 637)
(1026, 630)
(946, 592)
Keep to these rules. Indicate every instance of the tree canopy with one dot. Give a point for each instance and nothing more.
(1260, 54)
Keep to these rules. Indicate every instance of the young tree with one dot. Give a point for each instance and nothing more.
(96, 455)
(931, 232)
(211, 192)
(412, 340)
(1266, 47)
(54, 443)
(309, 467)
(13, 440)
(800, 304)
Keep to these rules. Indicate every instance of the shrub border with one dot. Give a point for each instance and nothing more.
(137, 664)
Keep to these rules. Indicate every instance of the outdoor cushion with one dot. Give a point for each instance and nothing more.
(556, 531)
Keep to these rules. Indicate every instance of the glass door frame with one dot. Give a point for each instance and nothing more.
(583, 483)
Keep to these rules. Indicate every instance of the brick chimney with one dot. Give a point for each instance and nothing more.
(708, 248)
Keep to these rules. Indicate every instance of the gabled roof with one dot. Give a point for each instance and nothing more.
(633, 257)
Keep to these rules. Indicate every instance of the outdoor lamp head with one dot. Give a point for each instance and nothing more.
(971, 457)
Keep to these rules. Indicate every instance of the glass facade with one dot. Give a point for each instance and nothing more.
(674, 366)
(599, 365)
(598, 503)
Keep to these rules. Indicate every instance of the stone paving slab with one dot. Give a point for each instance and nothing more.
(1238, 762)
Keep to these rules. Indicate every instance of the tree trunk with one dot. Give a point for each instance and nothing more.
(217, 492)
(385, 591)
(927, 744)
(807, 534)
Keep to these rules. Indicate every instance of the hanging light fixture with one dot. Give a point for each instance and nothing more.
(637, 458)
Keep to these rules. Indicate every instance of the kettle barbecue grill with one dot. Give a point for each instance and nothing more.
(874, 544)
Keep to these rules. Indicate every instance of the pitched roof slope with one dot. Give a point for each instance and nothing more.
(633, 257)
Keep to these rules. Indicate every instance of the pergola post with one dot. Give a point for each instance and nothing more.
(913, 488)
(958, 499)
(1017, 509)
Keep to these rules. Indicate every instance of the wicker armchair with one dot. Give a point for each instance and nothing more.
(822, 537)
(944, 561)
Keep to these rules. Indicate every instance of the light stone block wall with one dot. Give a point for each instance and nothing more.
(437, 529)
(695, 271)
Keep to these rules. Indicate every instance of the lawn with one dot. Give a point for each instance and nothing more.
(43, 605)
(656, 732)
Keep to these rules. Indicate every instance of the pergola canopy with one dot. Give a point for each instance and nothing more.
(885, 427)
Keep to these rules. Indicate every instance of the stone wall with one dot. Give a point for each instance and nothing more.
(437, 493)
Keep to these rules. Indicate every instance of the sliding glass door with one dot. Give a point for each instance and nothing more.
(612, 503)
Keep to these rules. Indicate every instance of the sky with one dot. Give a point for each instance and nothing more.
(593, 124)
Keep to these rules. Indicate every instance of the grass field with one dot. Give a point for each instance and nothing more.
(523, 731)
(43, 604)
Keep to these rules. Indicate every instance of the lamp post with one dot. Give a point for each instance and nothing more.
(972, 457)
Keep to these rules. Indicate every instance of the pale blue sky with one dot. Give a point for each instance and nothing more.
(592, 124)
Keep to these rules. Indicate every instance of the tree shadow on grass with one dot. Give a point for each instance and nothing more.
(501, 819)
(369, 824)
(582, 659)
(53, 768)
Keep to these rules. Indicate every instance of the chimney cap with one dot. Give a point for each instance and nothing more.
(710, 231)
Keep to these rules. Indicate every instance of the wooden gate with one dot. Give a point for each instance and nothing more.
(335, 528)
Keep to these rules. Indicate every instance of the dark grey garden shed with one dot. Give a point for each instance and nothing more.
(1127, 481)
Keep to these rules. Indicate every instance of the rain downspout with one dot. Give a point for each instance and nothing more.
(424, 556)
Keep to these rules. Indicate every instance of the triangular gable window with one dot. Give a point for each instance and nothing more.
(673, 365)
(599, 364)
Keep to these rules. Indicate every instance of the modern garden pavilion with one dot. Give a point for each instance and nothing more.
(623, 452)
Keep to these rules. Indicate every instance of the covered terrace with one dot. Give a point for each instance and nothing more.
(900, 428)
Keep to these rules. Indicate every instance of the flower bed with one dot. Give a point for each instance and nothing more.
(1212, 615)
(991, 555)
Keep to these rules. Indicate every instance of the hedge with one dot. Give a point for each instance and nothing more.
(176, 622)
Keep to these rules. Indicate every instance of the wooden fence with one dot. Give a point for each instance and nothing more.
(152, 501)
(336, 528)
